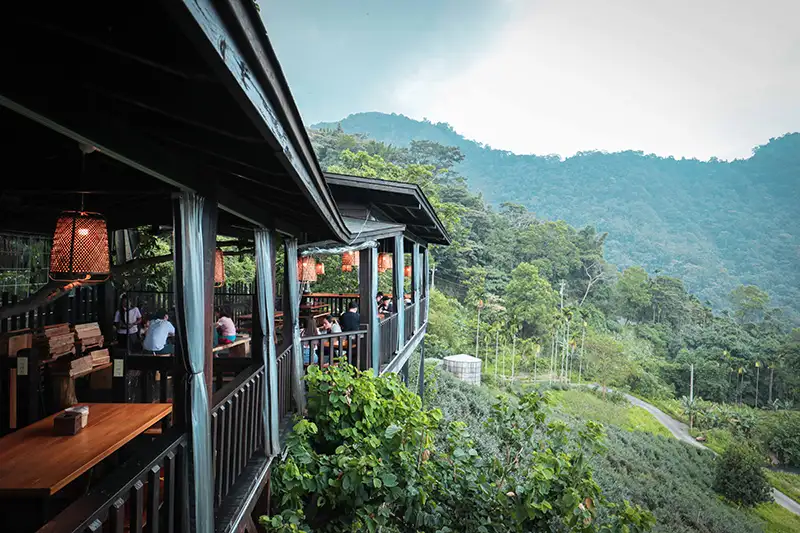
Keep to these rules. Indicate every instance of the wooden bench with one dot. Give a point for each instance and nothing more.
(238, 348)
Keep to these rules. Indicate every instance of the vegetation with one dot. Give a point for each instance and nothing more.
(740, 476)
(785, 482)
(777, 519)
(368, 457)
(714, 224)
(588, 406)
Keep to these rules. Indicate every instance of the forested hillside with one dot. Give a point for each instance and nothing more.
(714, 224)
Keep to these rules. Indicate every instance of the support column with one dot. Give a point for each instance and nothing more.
(421, 377)
(265, 294)
(415, 284)
(397, 292)
(426, 268)
(195, 223)
(404, 373)
(291, 321)
(368, 304)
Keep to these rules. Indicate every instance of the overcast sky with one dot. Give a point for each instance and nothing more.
(691, 78)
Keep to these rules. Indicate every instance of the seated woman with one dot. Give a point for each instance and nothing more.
(159, 330)
(309, 330)
(225, 326)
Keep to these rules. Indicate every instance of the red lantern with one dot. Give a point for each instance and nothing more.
(306, 269)
(219, 268)
(320, 268)
(80, 248)
(384, 261)
(407, 271)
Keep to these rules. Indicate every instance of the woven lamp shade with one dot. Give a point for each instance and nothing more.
(320, 268)
(407, 271)
(349, 260)
(80, 248)
(219, 268)
(384, 262)
(306, 269)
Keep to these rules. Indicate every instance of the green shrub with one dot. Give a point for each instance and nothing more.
(740, 476)
(366, 459)
(784, 438)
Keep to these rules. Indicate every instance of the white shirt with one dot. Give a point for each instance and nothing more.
(157, 334)
(133, 315)
(335, 327)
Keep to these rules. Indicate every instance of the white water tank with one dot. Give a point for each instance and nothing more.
(464, 367)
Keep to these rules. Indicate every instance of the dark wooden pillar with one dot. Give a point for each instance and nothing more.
(368, 294)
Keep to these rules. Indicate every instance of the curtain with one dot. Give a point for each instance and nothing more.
(193, 277)
(415, 284)
(265, 289)
(399, 299)
(292, 314)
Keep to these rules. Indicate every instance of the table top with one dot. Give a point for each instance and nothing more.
(240, 339)
(36, 462)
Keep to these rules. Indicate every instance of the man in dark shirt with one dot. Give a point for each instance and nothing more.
(351, 320)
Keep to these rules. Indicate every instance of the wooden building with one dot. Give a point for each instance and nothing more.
(177, 115)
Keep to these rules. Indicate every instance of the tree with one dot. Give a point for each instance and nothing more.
(530, 300)
(749, 303)
(740, 475)
(633, 293)
(607, 356)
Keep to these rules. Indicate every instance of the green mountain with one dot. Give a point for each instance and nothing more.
(715, 224)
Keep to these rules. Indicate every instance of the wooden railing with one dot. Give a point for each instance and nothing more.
(285, 407)
(150, 492)
(237, 427)
(332, 346)
(337, 303)
(388, 338)
(408, 321)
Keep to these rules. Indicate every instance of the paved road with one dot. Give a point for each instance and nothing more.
(681, 432)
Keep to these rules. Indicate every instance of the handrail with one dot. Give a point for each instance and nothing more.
(229, 389)
(124, 490)
(325, 336)
(332, 295)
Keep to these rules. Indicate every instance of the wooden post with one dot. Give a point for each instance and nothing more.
(28, 381)
(398, 292)
(415, 284)
(368, 294)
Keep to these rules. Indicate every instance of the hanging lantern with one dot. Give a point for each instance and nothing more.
(348, 259)
(320, 268)
(407, 271)
(80, 248)
(306, 269)
(384, 261)
(347, 268)
(219, 268)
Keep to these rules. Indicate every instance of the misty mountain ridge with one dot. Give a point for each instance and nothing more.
(715, 224)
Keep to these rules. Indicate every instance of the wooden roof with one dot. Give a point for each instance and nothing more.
(393, 202)
(177, 96)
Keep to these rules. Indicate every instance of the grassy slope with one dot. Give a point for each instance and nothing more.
(588, 406)
(777, 519)
(785, 482)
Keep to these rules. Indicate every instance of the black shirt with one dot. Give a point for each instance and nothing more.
(350, 321)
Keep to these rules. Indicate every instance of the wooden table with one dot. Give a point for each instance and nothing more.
(34, 462)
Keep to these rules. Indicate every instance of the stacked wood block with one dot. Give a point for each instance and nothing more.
(55, 341)
(73, 366)
(100, 357)
(88, 336)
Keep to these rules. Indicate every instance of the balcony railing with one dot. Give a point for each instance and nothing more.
(337, 303)
(285, 407)
(408, 321)
(237, 428)
(326, 349)
(150, 492)
(388, 339)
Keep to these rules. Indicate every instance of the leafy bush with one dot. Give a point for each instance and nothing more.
(366, 459)
(784, 439)
(740, 476)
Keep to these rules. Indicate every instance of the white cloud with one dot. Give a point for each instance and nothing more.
(683, 78)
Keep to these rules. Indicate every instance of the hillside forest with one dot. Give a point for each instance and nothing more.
(546, 287)
(713, 224)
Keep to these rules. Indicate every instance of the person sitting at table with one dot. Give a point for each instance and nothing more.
(329, 325)
(387, 306)
(127, 320)
(225, 326)
(155, 340)
(309, 330)
(351, 319)
(380, 299)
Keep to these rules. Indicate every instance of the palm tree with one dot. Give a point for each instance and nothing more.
(690, 407)
(758, 371)
(740, 383)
